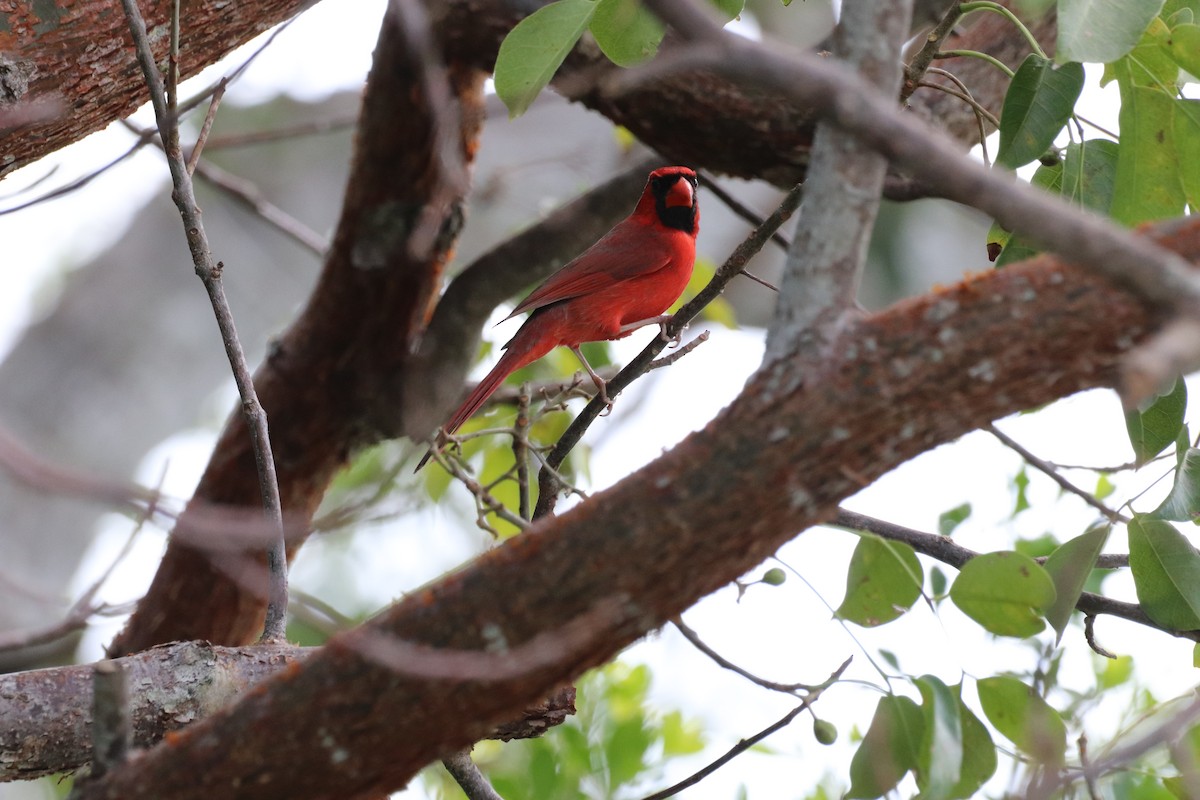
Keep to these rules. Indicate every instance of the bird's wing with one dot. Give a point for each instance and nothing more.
(629, 250)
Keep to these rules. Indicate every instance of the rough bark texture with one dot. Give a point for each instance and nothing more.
(73, 59)
(796, 442)
(46, 719)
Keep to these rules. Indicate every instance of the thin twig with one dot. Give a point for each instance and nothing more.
(919, 65)
(1048, 469)
(738, 207)
(482, 496)
(310, 128)
(679, 353)
(467, 775)
(206, 127)
(702, 646)
(210, 274)
(521, 450)
(746, 744)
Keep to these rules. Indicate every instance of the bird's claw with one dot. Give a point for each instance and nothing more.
(604, 398)
(672, 341)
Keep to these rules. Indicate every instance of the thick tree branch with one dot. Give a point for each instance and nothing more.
(776, 461)
(46, 720)
(78, 62)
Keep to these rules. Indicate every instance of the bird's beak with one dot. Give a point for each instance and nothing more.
(681, 194)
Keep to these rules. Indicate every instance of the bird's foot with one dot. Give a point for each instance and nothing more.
(602, 393)
(672, 341)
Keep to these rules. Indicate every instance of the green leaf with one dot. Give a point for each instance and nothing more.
(940, 760)
(888, 750)
(1183, 503)
(1115, 672)
(1004, 592)
(730, 9)
(535, 48)
(1156, 422)
(1024, 718)
(1148, 185)
(1021, 483)
(937, 582)
(1183, 46)
(1166, 573)
(1101, 30)
(1187, 146)
(1069, 567)
(1048, 177)
(1038, 104)
(1090, 173)
(883, 582)
(626, 32)
(681, 737)
(949, 520)
(979, 752)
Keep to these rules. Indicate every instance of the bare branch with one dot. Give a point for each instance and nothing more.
(473, 782)
(210, 273)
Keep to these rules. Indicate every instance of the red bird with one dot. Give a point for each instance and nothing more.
(621, 283)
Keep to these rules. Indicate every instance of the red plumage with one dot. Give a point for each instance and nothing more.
(625, 280)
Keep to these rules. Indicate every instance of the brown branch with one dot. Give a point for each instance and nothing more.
(773, 464)
(1053, 474)
(473, 782)
(81, 61)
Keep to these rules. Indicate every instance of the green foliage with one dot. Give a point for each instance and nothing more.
(888, 750)
(883, 582)
(1166, 573)
(1101, 31)
(1069, 567)
(1183, 503)
(626, 32)
(1040, 100)
(1157, 422)
(1005, 592)
(941, 741)
(951, 519)
(612, 744)
(1024, 718)
(535, 48)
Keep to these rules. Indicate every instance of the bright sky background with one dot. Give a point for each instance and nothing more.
(783, 633)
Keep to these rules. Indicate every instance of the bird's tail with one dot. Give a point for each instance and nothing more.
(519, 352)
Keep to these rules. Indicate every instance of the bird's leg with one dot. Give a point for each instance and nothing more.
(600, 384)
(661, 321)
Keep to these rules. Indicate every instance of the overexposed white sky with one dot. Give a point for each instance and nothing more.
(784, 633)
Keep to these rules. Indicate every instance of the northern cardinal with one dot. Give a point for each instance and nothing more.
(623, 282)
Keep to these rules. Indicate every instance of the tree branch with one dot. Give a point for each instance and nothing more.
(825, 262)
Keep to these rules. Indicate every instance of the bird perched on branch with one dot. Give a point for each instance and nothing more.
(623, 282)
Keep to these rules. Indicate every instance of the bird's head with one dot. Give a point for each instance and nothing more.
(673, 190)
